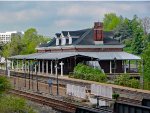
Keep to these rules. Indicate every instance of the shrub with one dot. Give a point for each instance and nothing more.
(115, 96)
(85, 72)
(125, 80)
(122, 80)
(4, 84)
(134, 83)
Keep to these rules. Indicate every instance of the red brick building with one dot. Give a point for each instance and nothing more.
(91, 46)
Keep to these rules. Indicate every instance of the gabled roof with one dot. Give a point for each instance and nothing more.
(84, 37)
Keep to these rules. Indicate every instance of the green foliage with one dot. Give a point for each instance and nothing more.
(31, 39)
(14, 47)
(138, 33)
(123, 30)
(85, 72)
(127, 42)
(131, 33)
(13, 104)
(146, 57)
(134, 83)
(124, 80)
(115, 96)
(23, 45)
(146, 41)
(111, 21)
(4, 84)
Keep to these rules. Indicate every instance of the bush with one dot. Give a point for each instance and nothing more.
(13, 104)
(115, 96)
(124, 80)
(4, 84)
(85, 72)
(134, 83)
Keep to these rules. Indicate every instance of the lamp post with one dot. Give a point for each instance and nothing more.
(56, 62)
(37, 84)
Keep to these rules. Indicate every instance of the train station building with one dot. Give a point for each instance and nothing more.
(91, 46)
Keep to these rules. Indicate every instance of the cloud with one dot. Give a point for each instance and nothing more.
(20, 16)
(63, 23)
(49, 17)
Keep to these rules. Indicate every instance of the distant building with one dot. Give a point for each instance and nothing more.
(6, 37)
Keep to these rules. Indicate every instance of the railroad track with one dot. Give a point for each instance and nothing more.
(57, 104)
(130, 101)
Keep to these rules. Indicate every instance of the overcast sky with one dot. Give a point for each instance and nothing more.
(51, 17)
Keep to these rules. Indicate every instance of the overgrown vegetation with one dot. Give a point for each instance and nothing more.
(11, 103)
(125, 80)
(4, 84)
(85, 72)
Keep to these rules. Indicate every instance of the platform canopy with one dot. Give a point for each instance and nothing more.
(95, 55)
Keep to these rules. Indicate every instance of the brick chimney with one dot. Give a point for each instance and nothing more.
(98, 33)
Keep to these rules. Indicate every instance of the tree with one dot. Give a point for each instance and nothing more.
(137, 36)
(23, 45)
(12, 48)
(123, 30)
(31, 40)
(111, 21)
(146, 25)
(146, 58)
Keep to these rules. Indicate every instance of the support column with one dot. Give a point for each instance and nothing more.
(35, 68)
(125, 71)
(43, 67)
(51, 67)
(28, 65)
(110, 67)
(22, 65)
(25, 66)
(39, 67)
(47, 67)
(56, 71)
(129, 66)
(61, 66)
(12, 64)
(17, 66)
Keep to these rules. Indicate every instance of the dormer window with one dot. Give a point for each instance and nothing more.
(57, 41)
(63, 39)
(70, 38)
